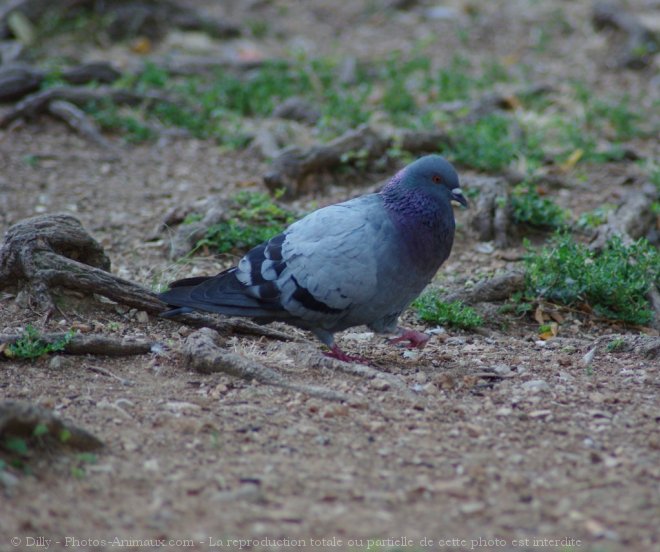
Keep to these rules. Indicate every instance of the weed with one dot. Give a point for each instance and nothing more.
(82, 459)
(432, 309)
(593, 219)
(254, 219)
(530, 208)
(31, 345)
(613, 282)
(485, 145)
(615, 345)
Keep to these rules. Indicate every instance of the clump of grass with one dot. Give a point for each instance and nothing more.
(430, 308)
(255, 218)
(593, 219)
(613, 282)
(530, 208)
(485, 145)
(31, 345)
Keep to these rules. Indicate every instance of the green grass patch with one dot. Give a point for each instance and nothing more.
(431, 309)
(254, 219)
(31, 345)
(614, 282)
(532, 209)
(485, 145)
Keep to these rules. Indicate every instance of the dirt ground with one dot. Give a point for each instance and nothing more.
(509, 442)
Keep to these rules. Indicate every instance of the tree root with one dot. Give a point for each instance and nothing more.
(292, 166)
(631, 220)
(492, 218)
(21, 419)
(205, 355)
(82, 344)
(50, 251)
(641, 45)
(498, 288)
(125, 18)
(83, 125)
(38, 103)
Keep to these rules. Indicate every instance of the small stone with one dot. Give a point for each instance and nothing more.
(142, 317)
(504, 411)
(55, 363)
(421, 378)
(536, 386)
(151, 464)
(502, 369)
(540, 413)
(472, 507)
(8, 479)
(430, 389)
(588, 358)
(380, 384)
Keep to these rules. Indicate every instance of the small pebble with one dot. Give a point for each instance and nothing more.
(535, 386)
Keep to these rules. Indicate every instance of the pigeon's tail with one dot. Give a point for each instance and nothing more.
(223, 294)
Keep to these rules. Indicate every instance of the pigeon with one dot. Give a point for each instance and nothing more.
(360, 262)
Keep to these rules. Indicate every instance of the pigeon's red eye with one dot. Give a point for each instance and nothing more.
(436, 178)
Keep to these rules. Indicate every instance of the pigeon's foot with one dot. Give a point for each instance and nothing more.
(336, 352)
(416, 340)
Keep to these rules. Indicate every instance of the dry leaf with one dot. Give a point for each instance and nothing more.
(538, 315)
(572, 160)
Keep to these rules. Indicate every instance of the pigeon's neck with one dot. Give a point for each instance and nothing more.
(426, 225)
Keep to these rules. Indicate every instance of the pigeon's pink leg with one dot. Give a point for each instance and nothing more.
(336, 352)
(416, 340)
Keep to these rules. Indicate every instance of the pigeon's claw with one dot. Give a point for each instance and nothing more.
(336, 352)
(415, 339)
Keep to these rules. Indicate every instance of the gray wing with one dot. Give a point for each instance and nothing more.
(335, 255)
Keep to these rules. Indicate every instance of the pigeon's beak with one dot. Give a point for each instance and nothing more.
(457, 196)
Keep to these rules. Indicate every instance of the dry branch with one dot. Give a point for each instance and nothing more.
(205, 355)
(20, 419)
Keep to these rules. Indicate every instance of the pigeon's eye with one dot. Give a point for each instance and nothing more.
(437, 179)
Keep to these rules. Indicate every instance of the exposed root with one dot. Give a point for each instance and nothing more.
(78, 120)
(50, 251)
(498, 288)
(358, 370)
(641, 43)
(204, 354)
(20, 419)
(38, 103)
(82, 344)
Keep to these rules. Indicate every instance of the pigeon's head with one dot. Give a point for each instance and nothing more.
(432, 174)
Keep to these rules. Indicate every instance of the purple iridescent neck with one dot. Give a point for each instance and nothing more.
(425, 221)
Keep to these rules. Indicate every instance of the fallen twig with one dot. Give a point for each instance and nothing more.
(205, 356)
(108, 373)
